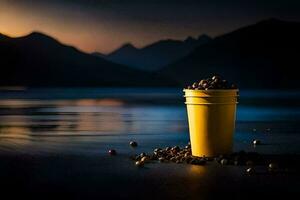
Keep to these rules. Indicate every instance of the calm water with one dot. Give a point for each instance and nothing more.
(91, 120)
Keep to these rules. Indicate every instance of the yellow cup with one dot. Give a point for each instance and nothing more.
(211, 116)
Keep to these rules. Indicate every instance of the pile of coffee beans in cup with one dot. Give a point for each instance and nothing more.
(214, 83)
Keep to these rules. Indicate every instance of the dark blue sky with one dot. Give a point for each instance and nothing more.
(103, 25)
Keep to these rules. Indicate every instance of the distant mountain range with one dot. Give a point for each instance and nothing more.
(40, 60)
(262, 55)
(155, 56)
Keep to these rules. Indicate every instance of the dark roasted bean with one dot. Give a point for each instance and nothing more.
(195, 85)
(142, 154)
(215, 82)
(139, 163)
(112, 152)
(133, 144)
(272, 167)
(250, 170)
(256, 142)
(224, 161)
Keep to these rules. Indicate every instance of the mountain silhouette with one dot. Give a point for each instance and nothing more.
(262, 55)
(101, 55)
(156, 55)
(40, 60)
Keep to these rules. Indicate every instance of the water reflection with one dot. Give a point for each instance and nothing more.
(79, 123)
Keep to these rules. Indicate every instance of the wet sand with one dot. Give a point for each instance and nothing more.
(104, 176)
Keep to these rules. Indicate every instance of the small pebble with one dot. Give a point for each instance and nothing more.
(112, 152)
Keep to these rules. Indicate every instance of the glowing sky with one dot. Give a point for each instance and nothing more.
(104, 25)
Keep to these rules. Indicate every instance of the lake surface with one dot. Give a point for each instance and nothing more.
(92, 120)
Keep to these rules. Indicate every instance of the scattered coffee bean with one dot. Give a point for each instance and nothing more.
(256, 142)
(139, 163)
(184, 155)
(224, 161)
(236, 162)
(133, 144)
(249, 163)
(273, 167)
(168, 148)
(195, 85)
(250, 170)
(144, 159)
(142, 154)
(112, 152)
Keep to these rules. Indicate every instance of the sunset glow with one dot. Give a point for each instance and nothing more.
(105, 25)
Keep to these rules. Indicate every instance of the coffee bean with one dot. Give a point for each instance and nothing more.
(142, 154)
(236, 162)
(195, 85)
(273, 167)
(139, 163)
(112, 152)
(249, 163)
(215, 82)
(250, 170)
(175, 149)
(193, 162)
(224, 161)
(233, 86)
(216, 78)
(256, 142)
(133, 144)
(144, 159)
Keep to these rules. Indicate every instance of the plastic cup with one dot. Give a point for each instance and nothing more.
(211, 117)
